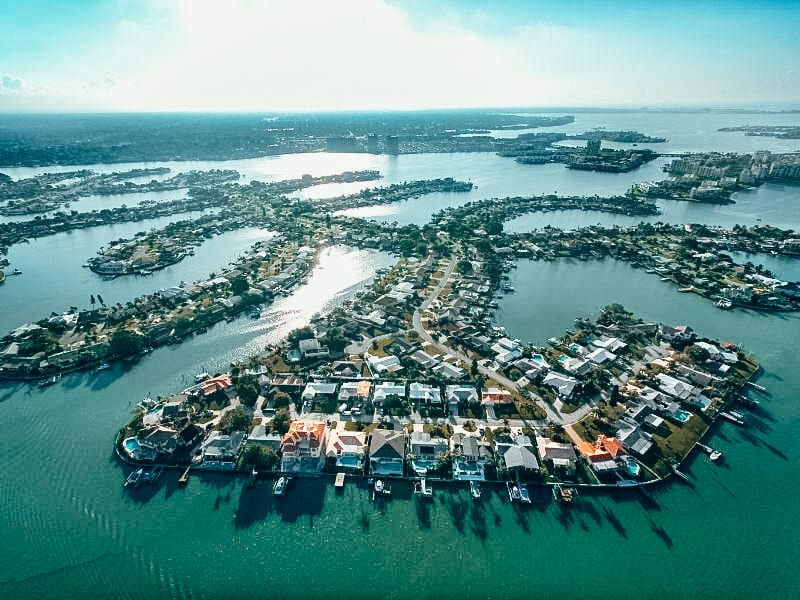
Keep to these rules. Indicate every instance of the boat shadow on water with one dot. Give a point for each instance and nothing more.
(305, 498)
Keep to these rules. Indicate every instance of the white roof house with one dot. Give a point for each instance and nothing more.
(561, 383)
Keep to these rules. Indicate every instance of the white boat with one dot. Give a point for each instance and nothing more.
(422, 489)
(475, 490)
(201, 377)
(724, 303)
(381, 489)
(524, 495)
(279, 489)
(135, 478)
(513, 492)
(103, 366)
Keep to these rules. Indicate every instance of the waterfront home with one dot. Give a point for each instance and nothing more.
(495, 396)
(219, 451)
(388, 388)
(611, 344)
(675, 387)
(506, 350)
(157, 439)
(557, 454)
(311, 348)
(425, 451)
(470, 457)
(303, 447)
(532, 366)
(387, 449)
(563, 384)
(520, 459)
(599, 457)
(260, 437)
(319, 390)
(680, 334)
(633, 438)
(347, 448)
(601, 355)
(214, 384)
(420, 394)
(695, 375)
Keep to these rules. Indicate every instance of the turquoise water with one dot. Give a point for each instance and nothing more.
(70, 531)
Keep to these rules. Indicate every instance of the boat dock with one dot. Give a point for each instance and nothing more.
(731, 417)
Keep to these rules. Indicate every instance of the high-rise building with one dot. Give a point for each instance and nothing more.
(392, 144)
(372, 143)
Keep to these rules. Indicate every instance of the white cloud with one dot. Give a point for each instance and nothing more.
(366, 54)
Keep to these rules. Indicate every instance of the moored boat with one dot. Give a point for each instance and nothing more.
(513, 492)
(135, 478)
(279, 489)
(524, 494)
(563, 494)
(422, 489)
(475, 490)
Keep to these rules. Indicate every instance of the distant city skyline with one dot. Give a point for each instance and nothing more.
(246, 55)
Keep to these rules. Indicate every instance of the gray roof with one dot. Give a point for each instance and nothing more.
(518, 456)
(387, 444)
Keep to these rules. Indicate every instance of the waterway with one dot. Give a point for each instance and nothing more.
(70, 530)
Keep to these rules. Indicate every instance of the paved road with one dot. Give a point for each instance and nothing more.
(553, 415)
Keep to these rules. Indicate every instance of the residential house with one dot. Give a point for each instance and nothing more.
(425, 451)
(348, 448)
(387, 450)
(420, 394)
(470, 457)
(388, 388)
(557, 454)
(260, 437)
(563, 384)
(355, 393)
(601, 456)
(495, 396)
(303, 447)
(157, 439)
(634, 439)
(449, 371)
(319, 390)
(385, 364)
(311, 348)
(220, 451)
(674, 387)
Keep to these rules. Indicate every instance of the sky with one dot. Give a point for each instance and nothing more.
(310, 55)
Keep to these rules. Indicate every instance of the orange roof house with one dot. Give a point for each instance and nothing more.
(209, 386)
(612, 445)
(495, 396)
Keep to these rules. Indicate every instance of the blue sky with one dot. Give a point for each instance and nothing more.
(381, 54)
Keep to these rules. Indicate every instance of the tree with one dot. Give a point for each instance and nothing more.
(239, 285)
(247, 390)
(259, 458)
(237, 419)
(280, 422)
(125, 343)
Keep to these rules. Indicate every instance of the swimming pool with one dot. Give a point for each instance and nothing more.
(132, 447)
(681, 415)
